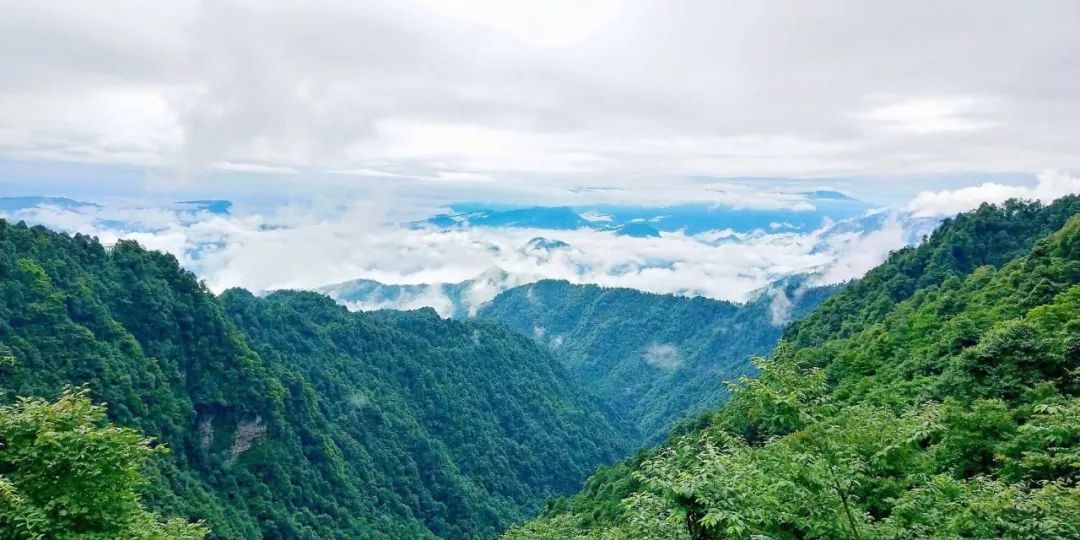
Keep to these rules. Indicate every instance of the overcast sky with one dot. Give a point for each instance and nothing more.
(534, 99)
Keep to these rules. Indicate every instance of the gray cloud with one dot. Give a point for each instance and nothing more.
(598, 93)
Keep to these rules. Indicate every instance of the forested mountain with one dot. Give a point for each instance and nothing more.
(653, 358)
(288, 416)
(937, 398)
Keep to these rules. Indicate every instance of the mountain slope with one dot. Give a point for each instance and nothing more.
(954, 413)
(288, 417)
(987, 236)
(493, 425)
(653, 358)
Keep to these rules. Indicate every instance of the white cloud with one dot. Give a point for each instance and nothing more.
(456, 176)
(603, 93)
(595, 216)
(926, 115)
(1050, 185)
(432, 297)
(662, 355)
(254, 167)
(854, 254)
(780, 308)
(542, 24)
(310, 247)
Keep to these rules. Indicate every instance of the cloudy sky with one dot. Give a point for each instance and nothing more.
(531, 101)
(330, 122)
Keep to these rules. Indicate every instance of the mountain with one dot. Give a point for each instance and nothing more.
(541, 249)
(454, 300)
(212, 206)
(935, 398)
(990, 235)
(15, 204)
(846, 248)
(637, 229)
(806, 212)
(288, 416)
(537, 217)
(827, 195)
(653, 358)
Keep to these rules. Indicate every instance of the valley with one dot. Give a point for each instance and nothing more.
(397, 424)
(539, 270)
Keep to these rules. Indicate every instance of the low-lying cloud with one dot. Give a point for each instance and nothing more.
(308, 248)
(662, 355)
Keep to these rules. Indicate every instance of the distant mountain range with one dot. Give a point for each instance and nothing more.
(829, 219)
(15, 204)
(810, 212)
(464, 298)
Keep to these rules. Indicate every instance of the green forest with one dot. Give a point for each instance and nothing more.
(939, 397)
(278, 417)
(653, 359)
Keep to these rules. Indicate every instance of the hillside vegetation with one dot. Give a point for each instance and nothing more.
(937, 398)
(288, 416)
(652, 359)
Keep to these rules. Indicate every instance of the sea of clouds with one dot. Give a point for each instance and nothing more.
(305, 248)
(311, 246)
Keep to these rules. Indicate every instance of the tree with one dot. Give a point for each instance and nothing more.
(65, 472)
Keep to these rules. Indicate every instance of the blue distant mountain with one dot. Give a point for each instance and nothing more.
(15, 204)
(637, 229)
(544, 244)
(820, 208)
(700, 217)
(827, 195)
(538, 217)
(213, 206)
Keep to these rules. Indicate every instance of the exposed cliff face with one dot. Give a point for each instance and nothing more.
(246, 434)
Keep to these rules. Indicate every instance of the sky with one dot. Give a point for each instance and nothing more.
(439, 100)
(327, 122)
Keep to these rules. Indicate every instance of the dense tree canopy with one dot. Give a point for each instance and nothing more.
(289, 417)
(951, 412)
(653, 359)
(66, 473)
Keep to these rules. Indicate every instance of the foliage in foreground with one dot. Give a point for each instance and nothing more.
(65, 472)
(954, 413)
